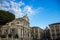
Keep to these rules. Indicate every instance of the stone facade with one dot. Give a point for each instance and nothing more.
(18, 29)
(54, 30)
(37, 33)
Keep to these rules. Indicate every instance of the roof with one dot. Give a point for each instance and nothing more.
(21, 19)
(36, 27)
(55, 23)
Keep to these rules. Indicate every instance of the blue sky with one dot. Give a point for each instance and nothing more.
(40, 12)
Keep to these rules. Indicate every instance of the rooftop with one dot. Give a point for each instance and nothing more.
(55, 23)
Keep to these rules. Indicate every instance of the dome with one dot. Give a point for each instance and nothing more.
(25, 17)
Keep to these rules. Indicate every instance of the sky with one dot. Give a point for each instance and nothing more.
(41, 13)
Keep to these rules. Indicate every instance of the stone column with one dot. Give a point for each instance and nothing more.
(8, 30)
(55, 31)
(8, 33)
(12, 37)
(51, 34)
(7, 37)
(0, 38)
(20, 32)
(2, 31)
(29, 34)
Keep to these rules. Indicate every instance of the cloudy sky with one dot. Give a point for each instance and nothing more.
(40, 12)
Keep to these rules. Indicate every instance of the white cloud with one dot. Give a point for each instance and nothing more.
(15, 8)
(12, 6)
(28, 10)
(5, 3)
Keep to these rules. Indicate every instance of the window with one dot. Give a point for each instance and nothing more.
(12, 23)
(13, 31)
(53, 34)
(9, 35)
(52, 30)
(57, 30)
(17, 22)
(0, 32)
(57, 34)
(28, 34)
(16, 36)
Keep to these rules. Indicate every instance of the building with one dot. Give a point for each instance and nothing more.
(54, 30)
(37, 33)
(18, 29)
(46, 34)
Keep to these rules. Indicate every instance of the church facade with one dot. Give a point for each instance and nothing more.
(18, 29)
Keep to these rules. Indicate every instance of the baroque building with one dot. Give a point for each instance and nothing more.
(54, 31)
(18, 29)
(37, 33)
